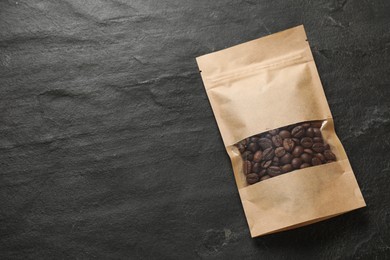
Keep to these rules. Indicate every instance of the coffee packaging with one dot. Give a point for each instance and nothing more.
(289, 165)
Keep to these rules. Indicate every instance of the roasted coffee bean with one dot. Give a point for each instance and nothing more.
(326, 146)
(284, 134)
(265, 143)
(310, 132)
(316, 124)
(268, 135)
(275, 161)
(252, 178)
(254, 139)
(258, 156)
(317, 132)
(265, 178)
(277, 140)
(266, 164)
(296, 163)
(306, 125)
(287, 168)
(247, 155)
(290, 127)
(298, 131)
(274, 131)
(241, 147)
(279, 152)
(329, 155)
(298, 150)
(288, 144)
(256, 167)
(253, 147)
(318, 147)
(247, 167)
(315, 161)
(305, 165)
(268, 153)
(321, 157)
(274, 171)
(285, 159)
(306, 157)
(306, 142)
(296, 141)
(318, 139)
(262, 172)
(308, 150)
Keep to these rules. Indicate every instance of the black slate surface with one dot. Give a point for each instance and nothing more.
(109, 148)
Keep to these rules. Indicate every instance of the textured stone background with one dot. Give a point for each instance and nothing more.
(109, 148)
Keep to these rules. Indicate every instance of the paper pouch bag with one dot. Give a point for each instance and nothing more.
(289, 165)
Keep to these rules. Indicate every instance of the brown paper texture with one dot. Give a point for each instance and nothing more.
(265, 84)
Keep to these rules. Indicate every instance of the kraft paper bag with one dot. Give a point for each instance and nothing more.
(267, 84)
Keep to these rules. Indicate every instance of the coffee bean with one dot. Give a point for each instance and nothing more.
(298, 131)
(256, 167)
(305, 165)
(258, 156)
(326, 146)
(288, 144)
(317, 132)
(310, 132)
(265, 178)
(279, 152)
(277, 140)
(318, 139)
(321, 157)
(266, 164)
(305, 125)
(290, 127)
(316, 124)
(287, 168)
(329, 155)
(315, 161)
(308, 150)
(252, 178)
(275, 161)
(265, 143)
(262, 172)
(247, 167)
(268, 153)
(285, 159)
(274, 171)
(241, 147)
(254, 139)
(274, 131)
(318, 147)
(306, 157)
(298, 150)
(247, 155)
(296, 163)
(253, 147)
(306, 142)
(284, 134)
(296, 141)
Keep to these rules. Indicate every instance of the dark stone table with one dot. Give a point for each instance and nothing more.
(109, 148)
